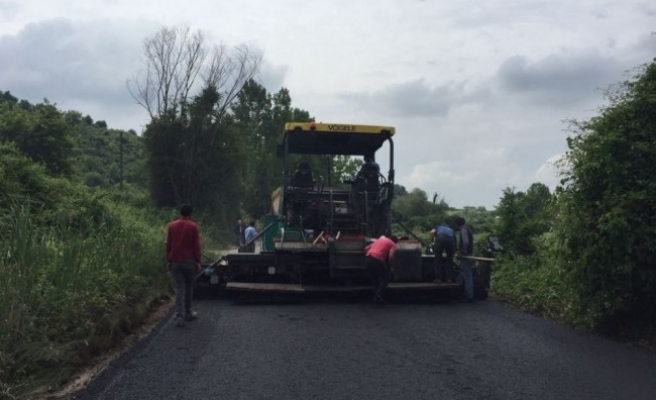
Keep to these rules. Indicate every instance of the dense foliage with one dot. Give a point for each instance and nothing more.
(78, 270)
(420, 214)
(607, 213)
(38, 131)
(260, 116)
(106, 157)
(596, 267)
(522, 217)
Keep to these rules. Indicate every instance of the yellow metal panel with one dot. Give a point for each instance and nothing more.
(339, 128)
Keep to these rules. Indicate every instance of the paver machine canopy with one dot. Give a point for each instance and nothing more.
(313, 202)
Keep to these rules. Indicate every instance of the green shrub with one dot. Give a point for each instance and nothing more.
(596, 269)
(607, 210)
(66, 290)
(535, 282)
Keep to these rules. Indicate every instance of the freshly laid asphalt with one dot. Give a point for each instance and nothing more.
(338, 350)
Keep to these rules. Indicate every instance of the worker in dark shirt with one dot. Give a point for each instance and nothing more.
(444, 242)
(369, 169)
(183, 255)
(465, 250)
(237, 232)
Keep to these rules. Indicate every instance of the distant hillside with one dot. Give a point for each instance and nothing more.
(72, 144)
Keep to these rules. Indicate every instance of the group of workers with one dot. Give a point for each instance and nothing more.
(184, 258)
(380, 258)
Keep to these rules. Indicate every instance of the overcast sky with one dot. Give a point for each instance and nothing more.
(478, 90)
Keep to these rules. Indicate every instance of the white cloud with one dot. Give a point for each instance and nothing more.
(549, 172)
(468, 178)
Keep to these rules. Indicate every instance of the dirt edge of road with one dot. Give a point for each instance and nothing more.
(80, 379)
(645, 342)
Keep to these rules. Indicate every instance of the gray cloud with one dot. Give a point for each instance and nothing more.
(408, 99)
(646, 44)
(272, 77)
(70, 62)
(490, 14)
(558, 78)
(647, 9)
(85, 66)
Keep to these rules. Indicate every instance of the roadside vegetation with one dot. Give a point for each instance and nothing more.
(74, 283)
(420, 214)
(586, 254)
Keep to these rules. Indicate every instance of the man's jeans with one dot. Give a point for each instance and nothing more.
(467, 278)
(444, 268)
(184, 273)
(379, 276)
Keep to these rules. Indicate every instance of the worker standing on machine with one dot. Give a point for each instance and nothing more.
(367, 187)
(379, 260)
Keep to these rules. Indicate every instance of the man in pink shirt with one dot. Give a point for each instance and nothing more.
(379, 256)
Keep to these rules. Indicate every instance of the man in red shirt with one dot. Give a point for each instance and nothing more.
(183, 255)
(378, 260)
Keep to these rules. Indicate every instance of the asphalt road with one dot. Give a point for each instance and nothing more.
(334, 350)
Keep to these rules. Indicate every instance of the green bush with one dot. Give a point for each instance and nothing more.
(607, 210)
(78, 270)
(596, 269)
(535, 282)
(67, 290)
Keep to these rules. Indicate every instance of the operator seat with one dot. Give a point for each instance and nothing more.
(371, 175)
(367, 180)
(302, 177)
(300, 189)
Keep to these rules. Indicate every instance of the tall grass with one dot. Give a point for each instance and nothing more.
(72, 288)
(534, 283)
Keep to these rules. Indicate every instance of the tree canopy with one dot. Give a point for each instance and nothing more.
(607, 207)
(523, 216)
(40, 132)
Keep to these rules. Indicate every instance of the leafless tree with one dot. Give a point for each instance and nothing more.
(229, 72)
(175, 58)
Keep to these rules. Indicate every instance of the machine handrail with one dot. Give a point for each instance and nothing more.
(410, 232)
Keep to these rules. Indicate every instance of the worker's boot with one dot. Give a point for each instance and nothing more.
(191, 315)
(379, 301)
